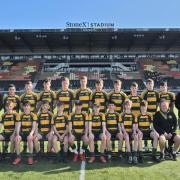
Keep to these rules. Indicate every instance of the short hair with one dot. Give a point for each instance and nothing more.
(45, 102)
(149, 80)
(134, 84)
(8, 103)
(143, 103)
(163, 83)
(28, 82)
(11, 85)
(83, 78)
(117, 81)
(47, 80)
(98, 81)
(164, 100)
(64, 79)
(127, 101)
(26, 103)
(60, 104)
(78, 103)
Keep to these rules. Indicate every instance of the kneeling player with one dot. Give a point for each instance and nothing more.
(128, 124)
(60, 127)
(97, 131)
(45, 120)
(10, 120)
(113, 129)
(28, 126)
(78, 130)
(146, 131)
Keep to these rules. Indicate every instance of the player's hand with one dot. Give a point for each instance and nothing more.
(61, 138)
(169, 135)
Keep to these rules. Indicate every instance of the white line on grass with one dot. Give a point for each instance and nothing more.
(82, 171)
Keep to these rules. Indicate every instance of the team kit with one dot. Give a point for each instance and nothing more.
(90, 116)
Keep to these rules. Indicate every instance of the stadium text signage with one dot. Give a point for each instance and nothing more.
(89, 25)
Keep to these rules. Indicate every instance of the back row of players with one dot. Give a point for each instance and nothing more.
(89, 116)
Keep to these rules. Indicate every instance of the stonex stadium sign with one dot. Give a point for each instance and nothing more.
(89, 25)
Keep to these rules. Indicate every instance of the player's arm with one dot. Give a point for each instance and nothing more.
(34, 125)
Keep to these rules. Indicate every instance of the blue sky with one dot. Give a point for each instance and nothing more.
(37, 14)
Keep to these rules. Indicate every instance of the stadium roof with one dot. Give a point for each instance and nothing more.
(33, 41)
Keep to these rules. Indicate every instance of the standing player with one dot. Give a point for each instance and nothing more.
(100, 96)
(113, 129)
(83, 94)
(48, 95)
(97, 131)
(165, 94)
(78, 130)
(9, 121)
(146, 130)
(45, 122)
(11, 96)
(60, 128)
(66, 96)
(117, 96)
(28, 121)
(29, 96)
(129, 128)
(135, 98)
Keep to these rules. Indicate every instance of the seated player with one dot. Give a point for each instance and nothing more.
(28, 121)
(9, 121)
(146, 131)
(165, 123)
(113, 129)
(78, 130)
(45, 120)
(60, 128)
(97, 131)
(128, 124)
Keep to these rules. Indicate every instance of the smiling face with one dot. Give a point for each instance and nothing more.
(47, 86)
(65, 84)
(111, 107)
(134, 89)
(117, 86)
(164, 87)
(99, 86)
(29, 87)
(27, 108)
(150, 85)
(164, 106)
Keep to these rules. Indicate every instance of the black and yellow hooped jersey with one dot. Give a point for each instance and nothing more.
(100, 98)
(31, 98)
(48, 96)
(97, 120)
(152, 97)
(15, 99)
(78, 122)
(118, 100)
(144, 121)
(66, 97)
(60, 122)
(169, 96)
(45, 122)
(84, 96)
(27, 122)
(128, 120)
(8, 120)
(112, 121)
(136, 100)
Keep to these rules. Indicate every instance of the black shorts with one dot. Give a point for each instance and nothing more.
(78, 136)
(96, 135)
(113, 134)
(6, 136)
(24, 136)
(146, 134)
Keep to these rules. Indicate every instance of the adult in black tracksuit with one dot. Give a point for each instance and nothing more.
(165, 123)
(177, 104)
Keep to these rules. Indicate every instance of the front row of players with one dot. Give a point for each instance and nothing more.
(89, 128)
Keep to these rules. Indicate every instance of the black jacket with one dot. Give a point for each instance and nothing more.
(162, 124)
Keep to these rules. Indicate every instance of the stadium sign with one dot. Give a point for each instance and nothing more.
(89, 25)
